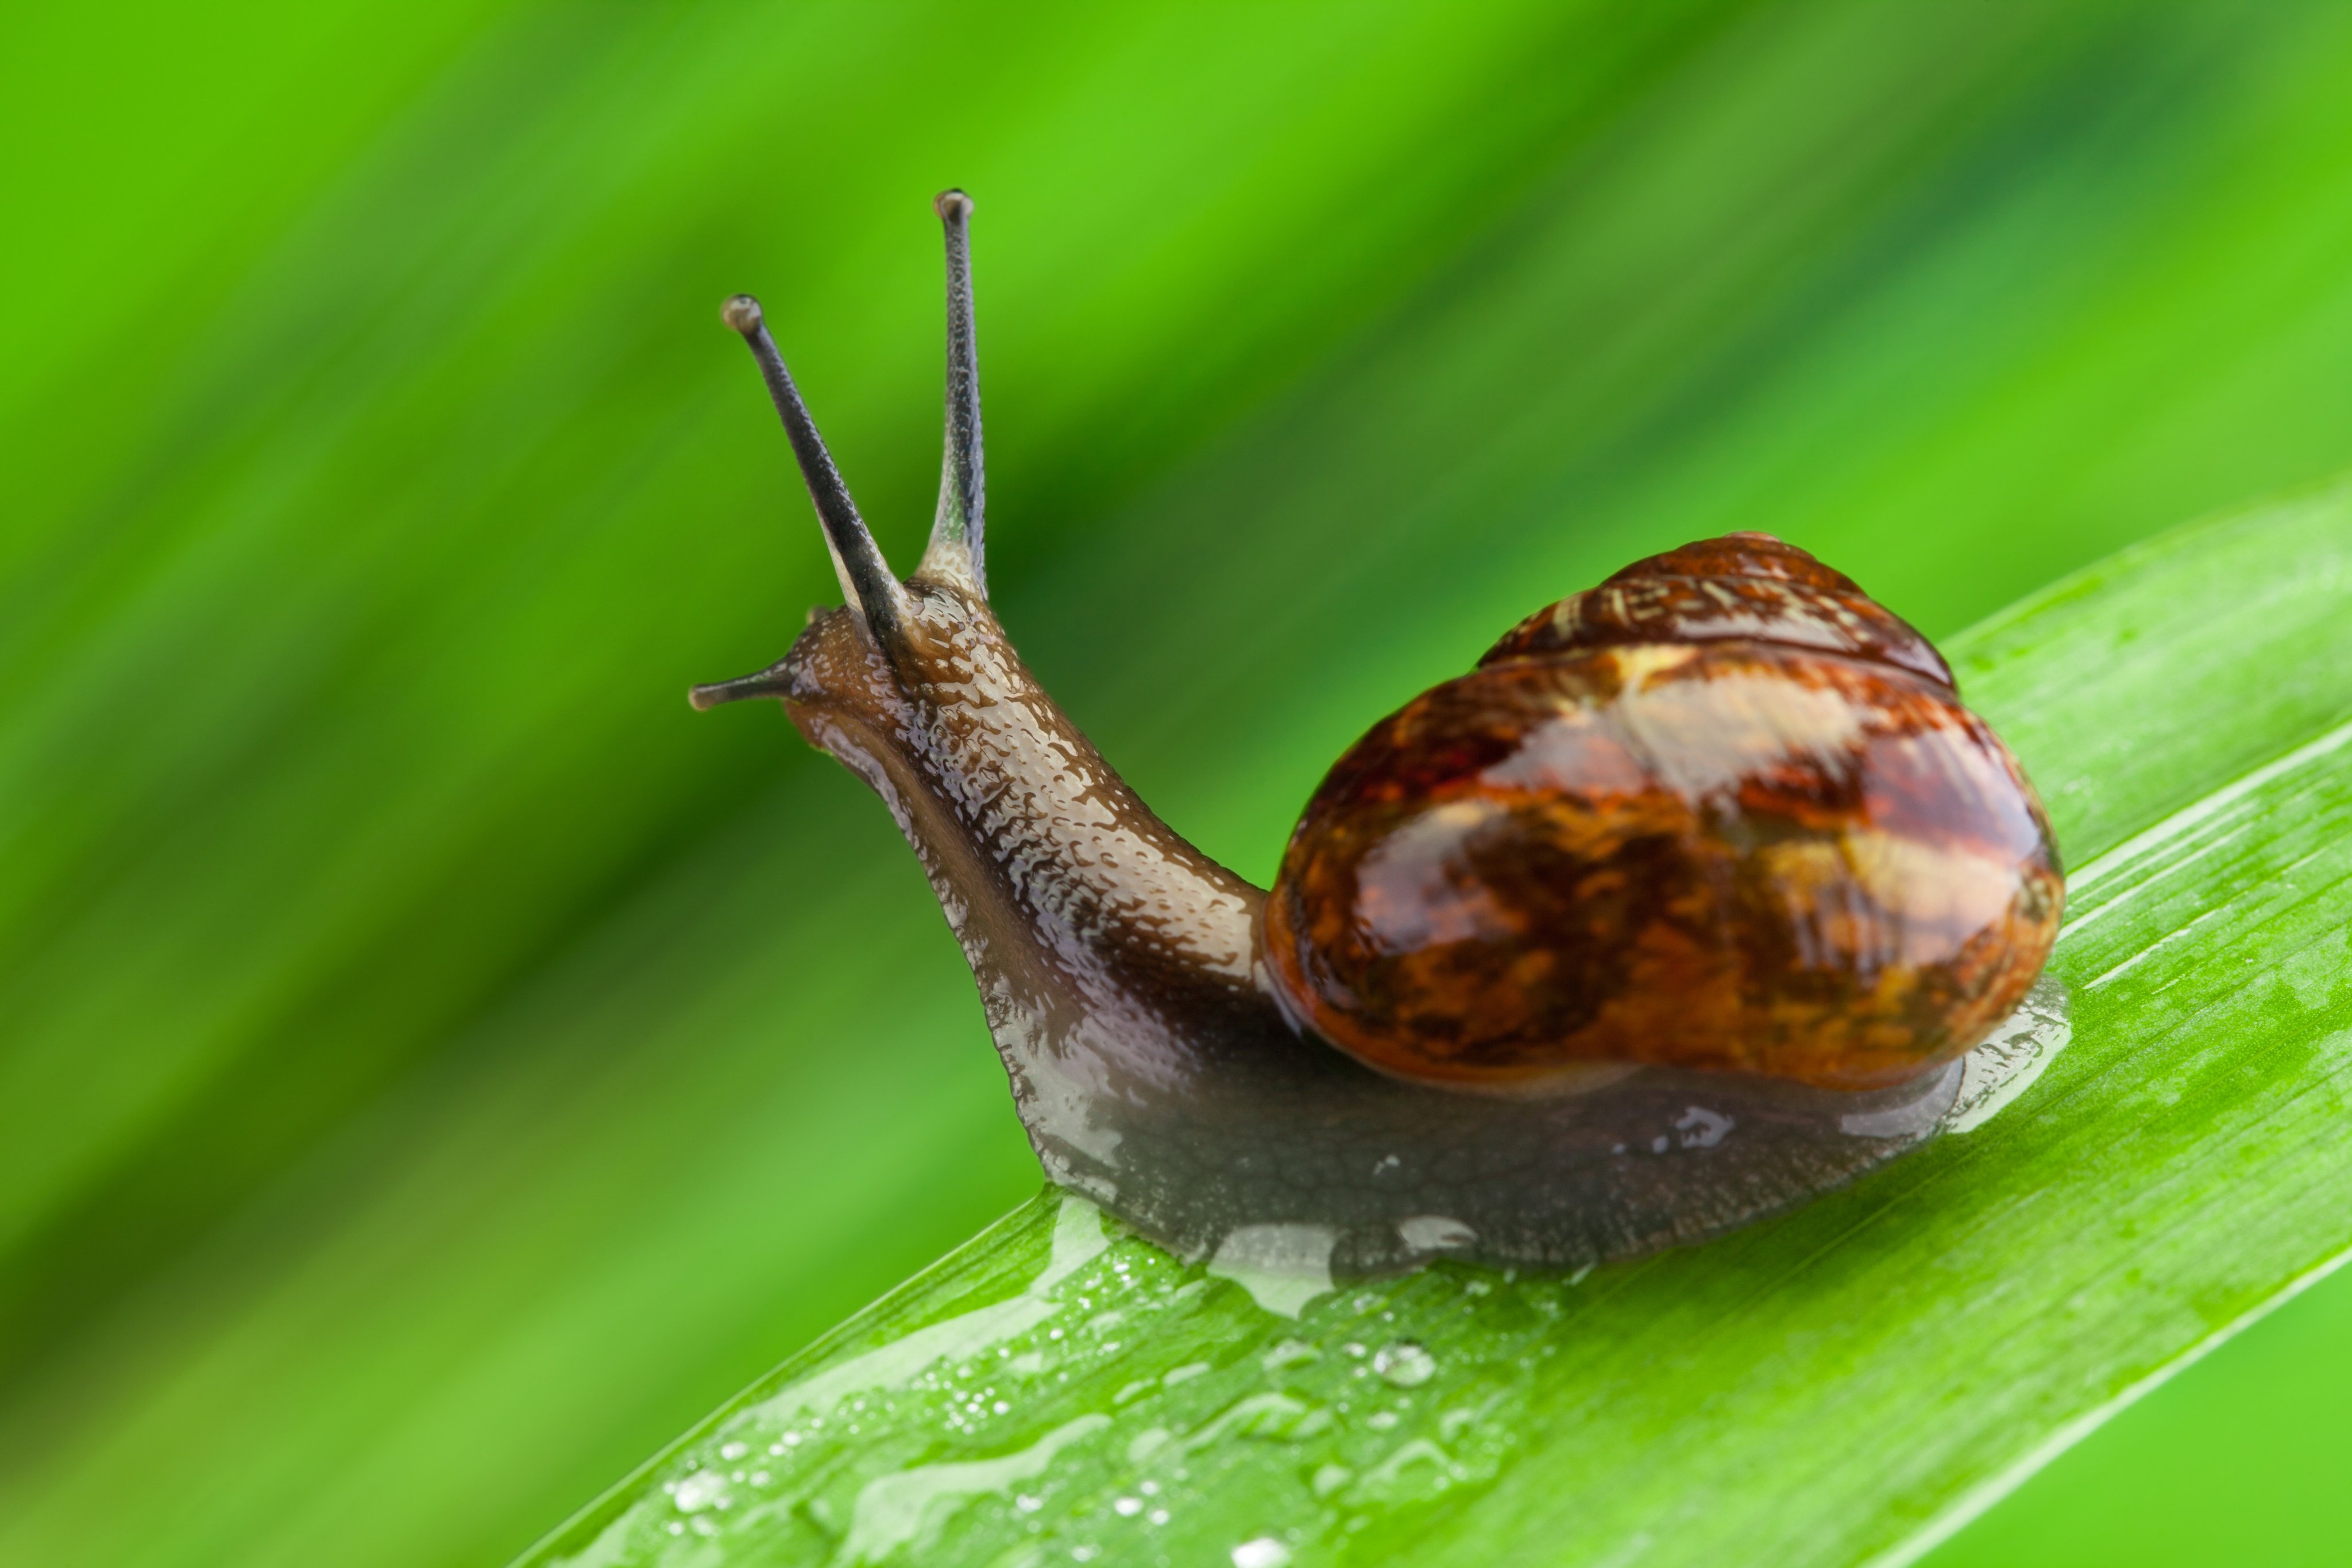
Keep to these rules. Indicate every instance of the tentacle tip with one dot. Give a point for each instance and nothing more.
(953, 205)
(705, 698)
(742, 312)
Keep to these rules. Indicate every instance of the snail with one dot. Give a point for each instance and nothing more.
(1686, 903)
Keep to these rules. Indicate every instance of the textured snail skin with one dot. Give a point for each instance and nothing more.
(1723, 812)
(1154, 1067)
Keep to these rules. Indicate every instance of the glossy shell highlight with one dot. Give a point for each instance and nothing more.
(1723, 812)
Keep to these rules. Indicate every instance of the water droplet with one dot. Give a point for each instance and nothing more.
(1699, 1128)
(1028, 1504)
(1406, 1365)
(1265, 1551)
(1127, 1507)
(700, 1490)
(1159, 1516)
(734, 1450)
(891, 1508)
(1288, 1352)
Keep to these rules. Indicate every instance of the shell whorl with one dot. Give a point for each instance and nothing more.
(1747, 587)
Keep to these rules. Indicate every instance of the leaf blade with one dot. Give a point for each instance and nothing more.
(1806, 1391)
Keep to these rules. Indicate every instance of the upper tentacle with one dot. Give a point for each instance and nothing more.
(957, 545)
(865, 578)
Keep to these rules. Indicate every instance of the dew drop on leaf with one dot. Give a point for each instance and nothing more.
(1406, 1365)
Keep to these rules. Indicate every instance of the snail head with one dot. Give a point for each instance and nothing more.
(891, 640)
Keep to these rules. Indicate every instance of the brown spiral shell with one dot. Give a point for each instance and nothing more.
(1723, 811)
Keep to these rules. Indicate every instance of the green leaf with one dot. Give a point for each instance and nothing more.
(434, 1065)
(1848, 1384)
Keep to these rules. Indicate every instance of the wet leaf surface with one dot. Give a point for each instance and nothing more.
(1849, 1383)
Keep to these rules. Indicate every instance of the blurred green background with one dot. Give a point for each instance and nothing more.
(435, 1066)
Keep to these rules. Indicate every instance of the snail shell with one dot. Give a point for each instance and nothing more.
(1706, 870)
(1723, 811)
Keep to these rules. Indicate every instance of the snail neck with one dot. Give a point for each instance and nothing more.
(1102, 942)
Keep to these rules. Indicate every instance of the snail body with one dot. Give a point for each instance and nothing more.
(1684, 905)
